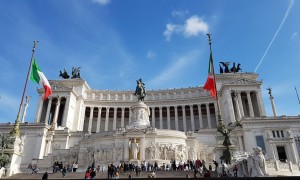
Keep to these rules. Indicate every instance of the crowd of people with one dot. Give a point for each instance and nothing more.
(199, 168)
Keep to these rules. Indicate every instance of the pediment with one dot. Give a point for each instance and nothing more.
(58, 87)
(244, 81)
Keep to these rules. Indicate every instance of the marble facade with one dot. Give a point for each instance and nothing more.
(79, 124)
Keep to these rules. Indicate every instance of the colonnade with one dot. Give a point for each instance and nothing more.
(180, 117)
(52, 111)
(247, 104)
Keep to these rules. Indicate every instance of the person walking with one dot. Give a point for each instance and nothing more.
(45, 175)
(93, 174)
(29, 169)
(64, 171)
(235, 170)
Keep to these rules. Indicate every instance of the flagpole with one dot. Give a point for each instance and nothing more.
(16, 129)
(220, 120)
(297, 94)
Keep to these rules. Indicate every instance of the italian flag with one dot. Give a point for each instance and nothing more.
(210, 82)
(36, 75)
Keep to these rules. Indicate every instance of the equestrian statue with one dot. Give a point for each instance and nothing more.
(140, 91)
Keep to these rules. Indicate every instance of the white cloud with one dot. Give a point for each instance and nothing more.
(171, 28)
(193, 26)
(151, 54)
(294, 35)
(102, 2)
(180, 13)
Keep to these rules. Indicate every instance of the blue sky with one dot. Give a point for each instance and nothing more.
(115, 42)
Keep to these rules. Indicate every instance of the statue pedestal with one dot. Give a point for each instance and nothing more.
(219, 149)
(15, 151)
(139, 116)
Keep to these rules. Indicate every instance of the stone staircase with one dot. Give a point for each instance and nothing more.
(103, 175)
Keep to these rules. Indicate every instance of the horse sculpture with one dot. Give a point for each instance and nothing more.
(64, 74)
(140, 91)
(233, 69)
(76, 73)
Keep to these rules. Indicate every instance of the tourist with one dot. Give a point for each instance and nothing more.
(64, 171)
(93, 165)
(117, 175)
(200, 169)
(207, 174)
(75, 166)
(35, 169)
(129, 176)
(235, 170)
(87, 174)
(93, 174)
(29, 169)
(155, 166)
(45, 175)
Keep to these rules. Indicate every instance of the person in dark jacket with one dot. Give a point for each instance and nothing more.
(45, 175)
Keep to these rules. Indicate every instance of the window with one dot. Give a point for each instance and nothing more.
(261, 143)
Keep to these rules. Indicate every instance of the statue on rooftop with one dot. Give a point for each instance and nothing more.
(76, 73)
(64, 74)
(140, 91)
(225, 68)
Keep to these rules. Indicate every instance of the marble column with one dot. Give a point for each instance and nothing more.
(107, 119)
(39, 109)
(192, 118)
(230, 107)
(99, 119)
(184, 118)
(176, 118)
(130, 113)
(240, 143)
(56, 113)
(208, 115)
(250, 104)
(273, 106)
(260, 101)
(294, 155)
(238, 112)
(65, 115)
(48, 110)
(216, 112)
(91, 119)
(160, 118)
(153, 116)
(48, 147)
(168, 117)
(200, 116)
(81, 120)
(122, 117)
(240, 103)
(115, 118)
(25, 108)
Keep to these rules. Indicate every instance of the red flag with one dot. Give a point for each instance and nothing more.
(210, 82)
